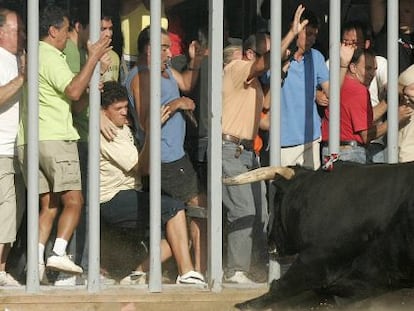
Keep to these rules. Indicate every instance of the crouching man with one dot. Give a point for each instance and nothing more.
(122, 201)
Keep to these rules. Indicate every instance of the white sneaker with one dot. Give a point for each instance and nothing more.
(239, 277)
(7, 280)
(63, 264)
(135, 278)
(191, 277)
(42, 274)
(65, 279)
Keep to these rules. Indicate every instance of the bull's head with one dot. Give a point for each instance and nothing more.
(263, 173)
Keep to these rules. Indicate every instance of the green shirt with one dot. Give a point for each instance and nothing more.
(112, 74)
(55, 117)
(76, 58)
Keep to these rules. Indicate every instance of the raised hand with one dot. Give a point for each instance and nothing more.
(346, 52)
(99, 48)
(195, 50)
(105, 62)
(297, 25)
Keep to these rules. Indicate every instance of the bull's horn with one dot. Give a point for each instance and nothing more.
(262, 173)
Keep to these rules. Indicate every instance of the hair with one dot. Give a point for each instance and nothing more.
(144, 38)
(51, 15)
(228, 53)
(360, 27)
(78, 15)
(359, 52)
(106, 17)
(3, 15)
(357, 55)
(113, 92)
(256, 42)
(313, 20)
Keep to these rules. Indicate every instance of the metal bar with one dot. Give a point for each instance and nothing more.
(32, 277)
(392, 96)
(334, 79)
(274, 137)
(155, 150)
(93, 160)
(275, 82)
(215, 232)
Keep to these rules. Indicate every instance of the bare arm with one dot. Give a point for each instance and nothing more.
(10, 89)
(80, 82)
(379, 110)
(374, 132)
(262, 64)
(378, 130)
(143, 166)
(346, 52)
(183, 103)
(295, 28)
(325, 88)
(187, 79)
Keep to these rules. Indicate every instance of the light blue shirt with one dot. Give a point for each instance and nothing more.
(300, 122)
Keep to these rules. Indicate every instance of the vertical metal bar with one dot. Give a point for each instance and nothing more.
(215, 69)
(93, 161)
(392, 97)
(334, 68)
(274, 137)
(275, 82)
(155, 149)
(32, 281)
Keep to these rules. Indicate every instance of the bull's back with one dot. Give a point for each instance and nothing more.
(341, 210)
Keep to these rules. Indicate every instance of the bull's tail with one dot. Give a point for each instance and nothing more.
(263, 173)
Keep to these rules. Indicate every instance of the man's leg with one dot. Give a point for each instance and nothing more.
(177, 238)
(49, 204)
(8, 208)
(68, 220)
(72, 206)
(198, 234)
(240, 215)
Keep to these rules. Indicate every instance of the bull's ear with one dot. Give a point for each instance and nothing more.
(263, 173)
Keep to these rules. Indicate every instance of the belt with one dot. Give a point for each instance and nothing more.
(246, 143)
(351, 143)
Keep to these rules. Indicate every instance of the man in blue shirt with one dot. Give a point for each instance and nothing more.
(300, 121)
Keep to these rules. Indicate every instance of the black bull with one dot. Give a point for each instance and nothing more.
(351, 229)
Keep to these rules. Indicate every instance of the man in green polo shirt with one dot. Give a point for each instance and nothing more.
(59, 172)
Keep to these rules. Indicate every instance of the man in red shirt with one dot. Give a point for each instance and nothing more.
(357, 115)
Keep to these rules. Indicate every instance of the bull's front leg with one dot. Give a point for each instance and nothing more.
(301, 276)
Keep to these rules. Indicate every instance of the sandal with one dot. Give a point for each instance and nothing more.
(191, 277)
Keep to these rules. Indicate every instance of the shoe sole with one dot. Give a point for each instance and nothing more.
(60, 269)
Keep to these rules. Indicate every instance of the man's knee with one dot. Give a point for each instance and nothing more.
(72, 199)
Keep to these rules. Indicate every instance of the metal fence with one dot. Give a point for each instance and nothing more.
(214, 171)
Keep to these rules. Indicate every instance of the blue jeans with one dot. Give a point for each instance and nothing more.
(377, 153)
(349, 153)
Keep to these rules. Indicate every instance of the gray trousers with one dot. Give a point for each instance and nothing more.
(246, 212)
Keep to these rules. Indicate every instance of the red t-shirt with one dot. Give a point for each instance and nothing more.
(356, 111)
